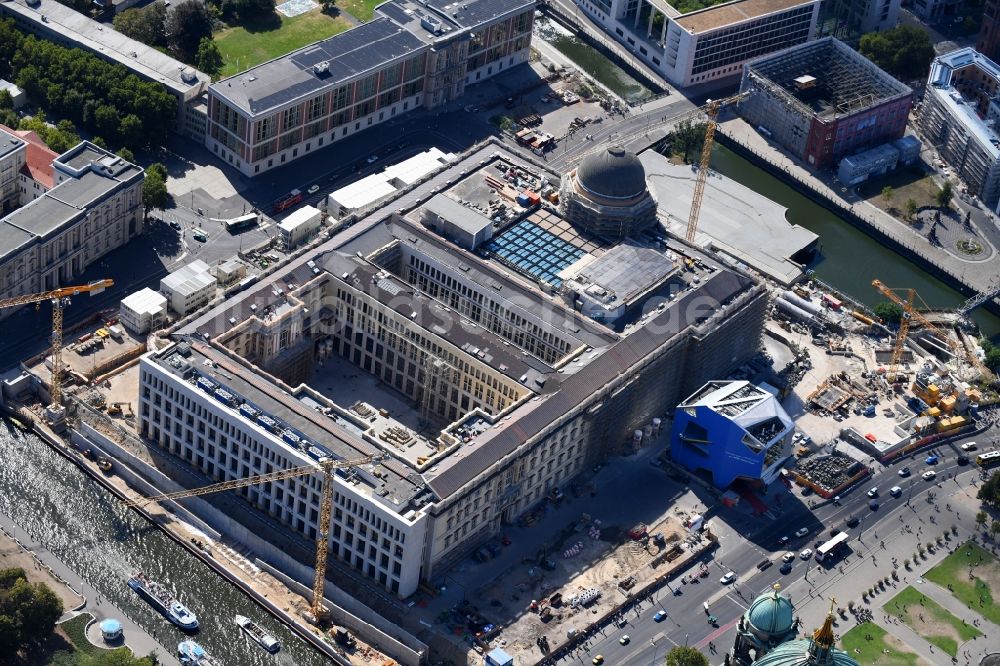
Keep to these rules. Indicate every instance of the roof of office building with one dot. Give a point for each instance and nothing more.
(465, 218)
(738, 11)
(39, 158)
(9, 142)
(68, 200)
(940, 86)
(317, 427)
(102, 39)
(451, 474)
(396, 32)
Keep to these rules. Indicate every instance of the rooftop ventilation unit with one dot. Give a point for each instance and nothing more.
(431, 24)
(322, 68)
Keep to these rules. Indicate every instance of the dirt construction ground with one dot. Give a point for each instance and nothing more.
(589, 556)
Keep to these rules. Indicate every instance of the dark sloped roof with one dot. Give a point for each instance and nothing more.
(613, 173)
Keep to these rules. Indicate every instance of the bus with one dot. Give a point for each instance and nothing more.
(287, 201)
(240, 223)
(988, 459)
(832, 548)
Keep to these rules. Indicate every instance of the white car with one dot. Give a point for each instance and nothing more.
(969, 446)
(313, 190)
(801, 532)
(728, 578)
(873, 492)
(806, 554)
(895, 491)
(928, 475)
(788, 557)
(796, 437)
(373, 159)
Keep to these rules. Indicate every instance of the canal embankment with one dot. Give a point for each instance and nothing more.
(215, 526)
(966, 277)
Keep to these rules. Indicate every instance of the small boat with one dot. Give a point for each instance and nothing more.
(104, 465)
(192, 654)
(256, 632)
(160, 598)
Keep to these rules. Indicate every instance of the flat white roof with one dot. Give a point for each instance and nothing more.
(145, 301)
(189, 279)
(373, 188)
(299, 217)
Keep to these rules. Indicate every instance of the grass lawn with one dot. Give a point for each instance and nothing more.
(906, 183)
(870, 652)
(968, 587)
(243, 47)
(930, 620)
(76, 631)
(359, 9)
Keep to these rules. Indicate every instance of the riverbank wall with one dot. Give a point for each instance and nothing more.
(843, 210)
(364, 627)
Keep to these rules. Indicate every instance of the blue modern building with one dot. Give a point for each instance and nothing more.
(732, 430)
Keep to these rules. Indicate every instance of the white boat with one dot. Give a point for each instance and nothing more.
(192, 654)
(161, 599)
(258, 634)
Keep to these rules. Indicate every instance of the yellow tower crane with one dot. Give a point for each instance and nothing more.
(326, 501)
(711, 110)
(910, 315)
(60, 299)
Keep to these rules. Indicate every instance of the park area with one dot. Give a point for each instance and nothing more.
(906, 183)
(245, 46)
(868, 643)
(930, 620)
(972, 574)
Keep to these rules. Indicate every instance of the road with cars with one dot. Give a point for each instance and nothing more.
(757, 557)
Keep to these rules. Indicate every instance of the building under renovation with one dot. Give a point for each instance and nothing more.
(823, 101)
(487, 377)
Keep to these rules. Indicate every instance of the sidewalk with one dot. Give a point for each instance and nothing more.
(990, 642)
(140, 642)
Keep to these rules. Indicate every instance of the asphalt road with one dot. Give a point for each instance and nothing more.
(686, 621)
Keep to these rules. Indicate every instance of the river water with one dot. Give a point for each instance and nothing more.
(90, 530)
(850, 258)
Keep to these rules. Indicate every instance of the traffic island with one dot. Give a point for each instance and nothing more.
(931, 620)
(972, 575)
(868, 643)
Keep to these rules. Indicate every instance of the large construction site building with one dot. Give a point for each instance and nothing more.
(489, 375)
(823, 101)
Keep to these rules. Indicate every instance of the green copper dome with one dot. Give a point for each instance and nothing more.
(771, 614)
(815, 651)
(803, 653)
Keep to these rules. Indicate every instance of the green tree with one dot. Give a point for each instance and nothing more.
(687, 140)
(981, 515)
(39, 615)
(584, 91)
(208, 59)
(126, 155)
(187, 24)
(989, 494)
(909, 210)
(905, 52)
(887, 193)
(991, 354)
(944, 195)
(6, 101)
(889, 312)
(147, 24)
(328, 5)
(685, 656)
(154, 188)
(130, 132)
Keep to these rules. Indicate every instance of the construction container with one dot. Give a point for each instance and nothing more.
(947, 403)
(523, 199)
(934, 412)
(950, 423)
(864, 319)
(834, 303)
(533, 198)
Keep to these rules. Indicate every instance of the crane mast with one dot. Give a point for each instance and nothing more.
(326, 501)
(60, 298)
